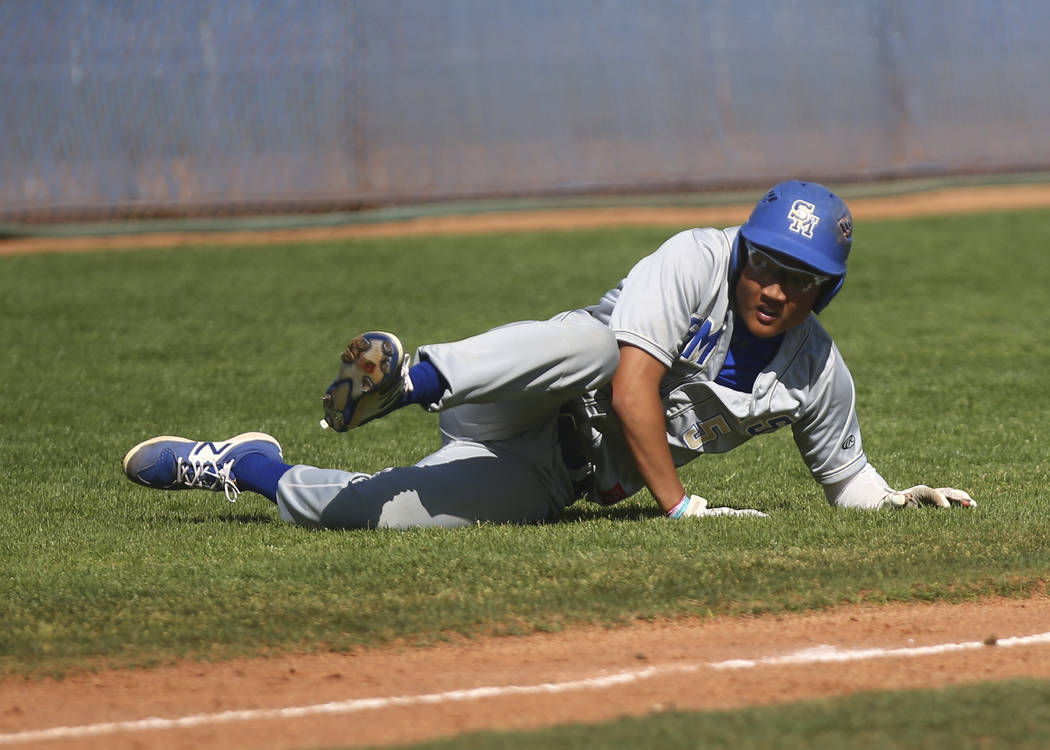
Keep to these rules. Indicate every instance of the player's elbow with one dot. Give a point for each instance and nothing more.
(631, 398)
(636, 384)
(623, 398)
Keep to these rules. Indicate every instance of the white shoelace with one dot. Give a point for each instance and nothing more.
(208, 475)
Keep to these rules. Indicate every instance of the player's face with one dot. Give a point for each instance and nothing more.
(772, 297)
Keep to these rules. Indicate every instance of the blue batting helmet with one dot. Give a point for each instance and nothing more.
(809, 223)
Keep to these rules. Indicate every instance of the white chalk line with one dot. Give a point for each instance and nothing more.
(817, 655)
(829, 654)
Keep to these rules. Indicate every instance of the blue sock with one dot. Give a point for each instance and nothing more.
(256, 472)
(428, 385)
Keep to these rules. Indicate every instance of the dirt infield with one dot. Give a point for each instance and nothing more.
(402, 694)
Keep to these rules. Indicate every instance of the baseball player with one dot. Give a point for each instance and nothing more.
(709, 341)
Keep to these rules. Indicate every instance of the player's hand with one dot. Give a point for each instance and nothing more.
(695, 506)
(942, 497)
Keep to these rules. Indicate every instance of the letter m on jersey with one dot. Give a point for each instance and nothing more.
(702, 342)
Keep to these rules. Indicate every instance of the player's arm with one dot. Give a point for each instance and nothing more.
(650, 320)
(830, 443)
(636, 401)
(868, 490)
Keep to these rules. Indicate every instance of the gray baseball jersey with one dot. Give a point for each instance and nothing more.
(675, 305)
(503, 457)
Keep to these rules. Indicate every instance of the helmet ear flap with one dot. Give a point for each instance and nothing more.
(829, 289)
(737, 258)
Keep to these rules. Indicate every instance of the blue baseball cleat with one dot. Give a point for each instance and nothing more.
(175, 463)
(372, 381)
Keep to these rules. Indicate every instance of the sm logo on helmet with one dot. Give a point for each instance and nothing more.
(803, 220)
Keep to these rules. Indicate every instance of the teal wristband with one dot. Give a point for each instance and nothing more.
(678, 510)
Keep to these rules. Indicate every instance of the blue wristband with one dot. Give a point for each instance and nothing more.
(678, 510)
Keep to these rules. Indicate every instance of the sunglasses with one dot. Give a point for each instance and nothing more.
(792, 280)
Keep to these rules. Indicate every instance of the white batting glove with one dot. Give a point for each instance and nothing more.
(919, 495)
(694, 506)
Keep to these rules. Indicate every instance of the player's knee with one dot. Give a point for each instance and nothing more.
(609, 355)
(597, 351)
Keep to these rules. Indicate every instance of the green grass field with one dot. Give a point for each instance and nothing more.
(940, 320)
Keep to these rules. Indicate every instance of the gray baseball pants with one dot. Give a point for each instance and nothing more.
(500, 460)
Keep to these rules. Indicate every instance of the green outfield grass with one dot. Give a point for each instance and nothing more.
(941, 321)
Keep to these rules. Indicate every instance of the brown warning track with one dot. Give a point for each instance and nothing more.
(928, 203)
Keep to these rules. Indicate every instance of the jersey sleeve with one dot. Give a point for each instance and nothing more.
(865, 490)
(828, 436)
(663, 291)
